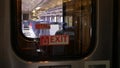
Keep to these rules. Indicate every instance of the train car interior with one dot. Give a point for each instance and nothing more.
(57, 33)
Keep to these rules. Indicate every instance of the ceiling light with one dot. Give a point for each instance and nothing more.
(37, 8)
(33, 11)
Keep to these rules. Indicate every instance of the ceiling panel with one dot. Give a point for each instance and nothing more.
(29, 5)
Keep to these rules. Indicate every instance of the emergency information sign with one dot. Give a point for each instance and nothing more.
(54, 40)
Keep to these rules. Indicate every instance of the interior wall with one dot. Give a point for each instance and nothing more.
(105, 30)
(4, 35)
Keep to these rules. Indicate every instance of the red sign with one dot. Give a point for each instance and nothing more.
(42, 26)
(54, 40)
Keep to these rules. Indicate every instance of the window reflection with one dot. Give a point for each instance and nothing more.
(54, 18)
(41, 14)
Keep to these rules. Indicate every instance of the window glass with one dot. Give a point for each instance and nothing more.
(37, 18)
(54, 29)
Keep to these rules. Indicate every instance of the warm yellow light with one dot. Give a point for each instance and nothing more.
(66, 0)
(37, 8)
(43, 61)
(33, 11)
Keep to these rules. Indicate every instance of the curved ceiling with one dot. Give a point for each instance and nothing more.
(29, 5)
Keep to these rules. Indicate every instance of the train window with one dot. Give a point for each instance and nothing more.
(41, 20)
(53, 29)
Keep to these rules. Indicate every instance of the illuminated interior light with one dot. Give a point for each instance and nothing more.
(38, 50)
(43, 61)
(34, 14)
(33, 11)
(37, 8)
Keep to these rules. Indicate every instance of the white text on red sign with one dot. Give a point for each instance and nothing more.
(54, 40)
